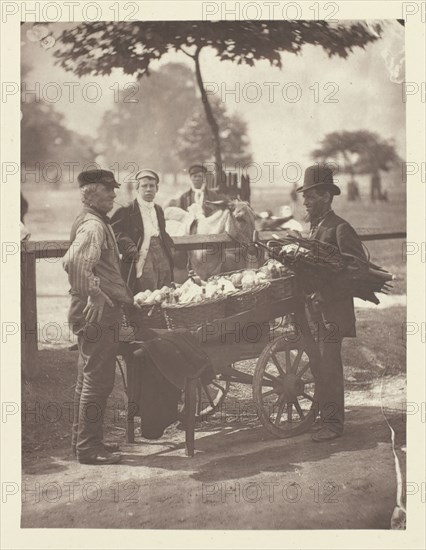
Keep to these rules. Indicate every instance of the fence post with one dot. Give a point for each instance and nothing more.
(29, 326)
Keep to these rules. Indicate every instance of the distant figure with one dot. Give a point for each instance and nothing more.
(376, 187)
(353, 190)
(25, 234)
(194, 200)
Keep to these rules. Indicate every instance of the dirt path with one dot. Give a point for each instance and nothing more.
(240, 478)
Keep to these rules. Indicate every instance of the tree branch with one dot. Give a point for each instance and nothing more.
(186, 53)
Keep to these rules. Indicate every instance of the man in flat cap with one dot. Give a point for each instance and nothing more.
(194, 199)
(97, 293)
(142, 239)
(337, 316)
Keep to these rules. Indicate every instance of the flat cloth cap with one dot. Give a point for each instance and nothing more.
(105, 177)
(147, 173)
(196, 168)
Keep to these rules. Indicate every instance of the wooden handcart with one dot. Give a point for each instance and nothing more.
(283, 381)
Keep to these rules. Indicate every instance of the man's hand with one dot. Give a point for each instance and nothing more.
(317, 301)
(95, 307)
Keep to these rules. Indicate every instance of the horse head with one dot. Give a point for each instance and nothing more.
(226, 216)
(229, 216)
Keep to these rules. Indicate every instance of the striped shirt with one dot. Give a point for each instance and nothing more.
(92, 261)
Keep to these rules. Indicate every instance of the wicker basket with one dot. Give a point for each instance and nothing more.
(192, 316)
(244, 300)
(283, 287)
(228, 274)
(150, 316)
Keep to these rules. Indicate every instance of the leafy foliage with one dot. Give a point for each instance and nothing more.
(46, 139)
(357, 152)
(194, 142)
(97, 48)
(142, 127)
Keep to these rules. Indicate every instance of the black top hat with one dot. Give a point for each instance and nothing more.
(195, 168)
(318, 176)
(105, 177)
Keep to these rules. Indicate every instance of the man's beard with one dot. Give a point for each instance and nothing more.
(316, 212)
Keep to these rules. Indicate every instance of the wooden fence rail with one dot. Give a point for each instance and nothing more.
(31, 251)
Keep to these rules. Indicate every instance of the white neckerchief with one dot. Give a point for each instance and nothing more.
(151, 229)
(198, 194)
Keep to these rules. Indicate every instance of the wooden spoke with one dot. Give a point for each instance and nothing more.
(304, 369)
(299, 409)
(277, 364)
(220, 388)
(297, 360)
(287, 361)
(199, 400)
(290, 412)
(270, 392)
(308, 397)
(279, 413)
(209, 397)
(270, 377)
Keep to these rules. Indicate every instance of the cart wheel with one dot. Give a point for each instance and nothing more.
(284, 388)
(209, 397)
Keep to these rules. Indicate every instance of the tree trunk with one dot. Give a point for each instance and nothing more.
(209, 115)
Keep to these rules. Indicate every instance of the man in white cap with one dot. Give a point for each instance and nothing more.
(142, 239)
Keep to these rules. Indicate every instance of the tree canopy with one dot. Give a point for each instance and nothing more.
(97, 48)
(194, 143)
(46, 140)
(357, 152)
(143, 125)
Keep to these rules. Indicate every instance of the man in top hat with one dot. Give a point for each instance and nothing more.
(97, 293)
(142, 239)
(337, 319)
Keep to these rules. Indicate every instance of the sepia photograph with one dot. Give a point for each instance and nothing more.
(213, 269)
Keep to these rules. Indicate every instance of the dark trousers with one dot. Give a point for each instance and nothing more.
(156, 271)
(331, 393)
(98, 347)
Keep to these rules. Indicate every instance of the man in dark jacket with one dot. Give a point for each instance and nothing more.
(194, 200)
(197, 193)
(141, 236)
(336, 308)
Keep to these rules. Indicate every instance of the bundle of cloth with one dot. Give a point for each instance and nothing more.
(161, 364)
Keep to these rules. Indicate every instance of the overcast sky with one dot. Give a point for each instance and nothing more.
(320, 95)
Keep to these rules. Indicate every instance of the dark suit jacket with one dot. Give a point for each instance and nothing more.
(187, 198)
(339, 308)
(128, 228)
